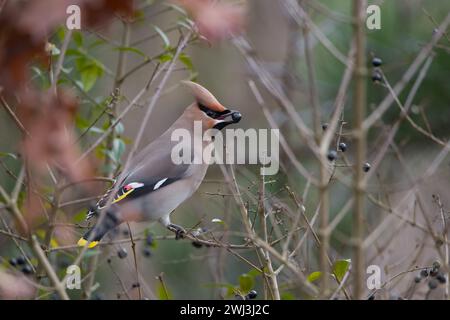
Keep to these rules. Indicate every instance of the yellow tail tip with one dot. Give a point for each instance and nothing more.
(82, 242)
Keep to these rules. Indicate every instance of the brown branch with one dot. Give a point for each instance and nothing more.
(359, 106)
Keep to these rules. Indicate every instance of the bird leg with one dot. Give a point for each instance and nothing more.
(178, 230)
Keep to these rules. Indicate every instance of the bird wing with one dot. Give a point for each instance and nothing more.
(151, 173)
(128, 191)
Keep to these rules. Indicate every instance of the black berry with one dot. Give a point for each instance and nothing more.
(366, 167)
(149, 239)
(441, 278)
(432, 284)
(63, 262)
(98, 296)
(135, 285)
(343, 146)
(376, 62)
(324, 126)
(147, 252)
(122, 253)
(13, 262)
(197, 244)
(26, 269)
(424, 273)
(20, 260)
(434, 272)
(54, 296)
(417, 279)
(251, 295)
(332, 155)
(376, 77)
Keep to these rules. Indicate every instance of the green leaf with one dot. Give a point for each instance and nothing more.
(176, 8)
(89, 76)
(118, 149)
(66, 70)
(165, 57)
(79, 84)
(60, 33)
(8, 154)
(186, 60)
(185, 24)
(217, 220)
(96, 43)
(42, 79)
(287, 296)
(340, 268)
(119, 128)
(131, 49)
(246, 282)
(314, 276)
(80, 216)
(163, 292)
(163, 36)
(81, 122)
(96, 130)
(78, 38)
(254, 272)
(73, 52)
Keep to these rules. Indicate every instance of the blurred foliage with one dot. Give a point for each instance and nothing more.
(88, 71)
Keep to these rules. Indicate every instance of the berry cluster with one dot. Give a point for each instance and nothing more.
(332, 155)
(20, 262)
(435, 276)
(376, 73)
(149, 242)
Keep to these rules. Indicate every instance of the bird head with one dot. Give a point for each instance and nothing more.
(210, 111)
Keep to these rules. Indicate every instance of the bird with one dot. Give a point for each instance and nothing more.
(155, 186)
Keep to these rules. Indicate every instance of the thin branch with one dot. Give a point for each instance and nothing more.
(61, 57)
(407, 76)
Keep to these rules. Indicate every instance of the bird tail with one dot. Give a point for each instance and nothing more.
(93, 236)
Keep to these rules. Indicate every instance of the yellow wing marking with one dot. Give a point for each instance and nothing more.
(123, 196)
(82, 242)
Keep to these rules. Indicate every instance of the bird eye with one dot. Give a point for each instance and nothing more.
(210, 113)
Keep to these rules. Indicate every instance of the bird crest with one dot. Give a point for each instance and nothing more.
(203, 96)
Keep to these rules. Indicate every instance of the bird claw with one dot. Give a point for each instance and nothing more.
(179, 231)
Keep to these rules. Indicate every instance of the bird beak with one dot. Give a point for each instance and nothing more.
(227, 118)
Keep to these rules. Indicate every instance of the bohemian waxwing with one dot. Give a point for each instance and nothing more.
(155, 186)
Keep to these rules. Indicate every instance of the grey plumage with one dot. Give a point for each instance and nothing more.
(154, 185)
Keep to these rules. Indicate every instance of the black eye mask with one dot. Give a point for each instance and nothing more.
(211, 113)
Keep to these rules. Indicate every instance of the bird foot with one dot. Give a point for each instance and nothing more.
(179, 231)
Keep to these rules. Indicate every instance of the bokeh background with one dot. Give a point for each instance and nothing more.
(278, 41)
